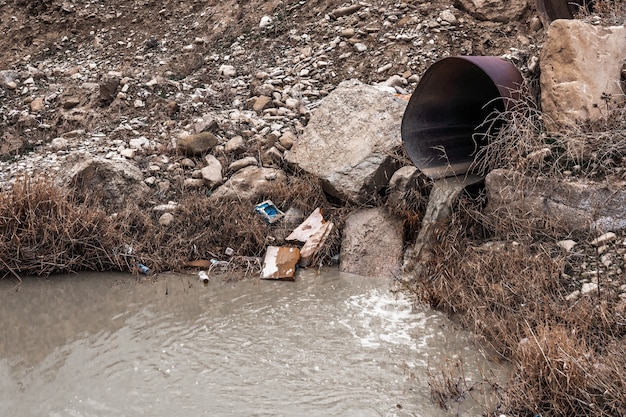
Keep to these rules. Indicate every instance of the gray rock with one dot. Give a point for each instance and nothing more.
(287, 140)
(580, 69)
(372, 244)
(197, 144)
(227, 70)
(212, 173)
(113, 181)
(250, 183)
(349, 140)
(235, 145)
(567, 206)
(58, 144)
(208, 123)
(401, 181)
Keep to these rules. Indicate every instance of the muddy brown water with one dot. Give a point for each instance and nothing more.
(329, 344)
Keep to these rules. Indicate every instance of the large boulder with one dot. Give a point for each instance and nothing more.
(493, 10)
(581, 67)
(567, 206)
(372, 244)
(250, 183)
(113, 181)
(349, 141)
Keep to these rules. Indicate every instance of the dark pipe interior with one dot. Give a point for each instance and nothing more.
(440, 127)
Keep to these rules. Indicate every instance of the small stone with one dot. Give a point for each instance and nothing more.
(360, 47)
(128, 153)
(261, 103)
(347, 33)
(166, 219)
(604, 239)
(384, 68)
(265, 22)
(568, 245)
(58, 144)
(138, 143)
(293, 103)
(37, 104)
(212, 173)
(588, 287)
(235, 145)
(287, 140)
(197, 144)
(242, 163)
(227, 70)
(448, 16)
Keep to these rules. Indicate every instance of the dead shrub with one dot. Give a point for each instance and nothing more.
(44, 230)
(503, 276)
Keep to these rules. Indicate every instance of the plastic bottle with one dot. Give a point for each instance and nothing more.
(204, 277)
(143, 269)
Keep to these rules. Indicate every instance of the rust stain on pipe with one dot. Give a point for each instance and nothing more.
(440, 126)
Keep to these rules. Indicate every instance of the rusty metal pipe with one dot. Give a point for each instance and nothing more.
(440, 126)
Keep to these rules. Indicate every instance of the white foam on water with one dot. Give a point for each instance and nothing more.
(379, 317)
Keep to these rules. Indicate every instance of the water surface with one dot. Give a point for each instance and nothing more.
(329, 344)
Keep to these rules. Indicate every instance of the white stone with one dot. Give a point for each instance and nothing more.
(265, 21)
(138, 143)
(227, 70)
(166, 219)
(360, 47)
(212, 173)
(588, 287)
(128, 153)
(568, 244)
(448, 16)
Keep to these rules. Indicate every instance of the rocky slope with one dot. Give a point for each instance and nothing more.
(130, 77)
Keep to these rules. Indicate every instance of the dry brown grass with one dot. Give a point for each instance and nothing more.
(568, 355)
(46, 230)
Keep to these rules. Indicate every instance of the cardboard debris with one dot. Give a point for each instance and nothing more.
(313, 244)
(268, 211)
(280, 263)
(308, 227)
(199, 263)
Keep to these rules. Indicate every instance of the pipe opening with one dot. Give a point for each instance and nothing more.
(441, 124)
